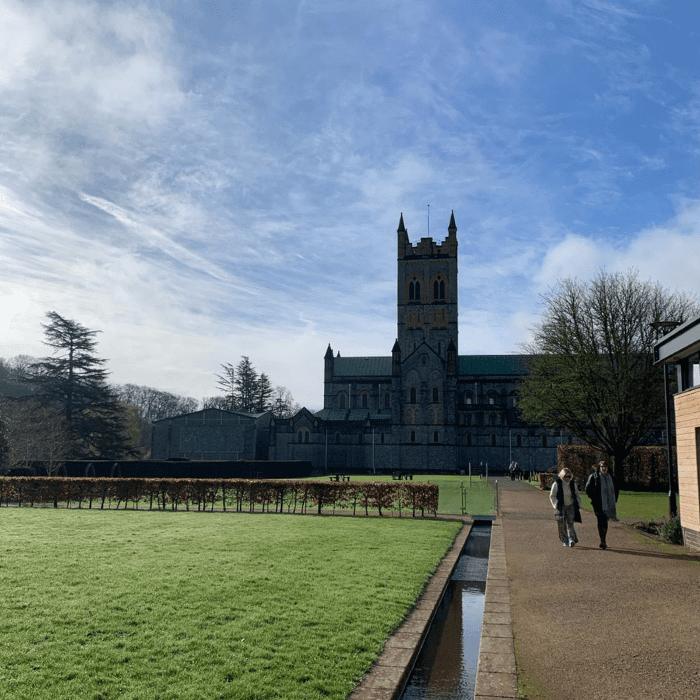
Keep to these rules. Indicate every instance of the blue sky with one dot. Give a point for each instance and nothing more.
(206, 180)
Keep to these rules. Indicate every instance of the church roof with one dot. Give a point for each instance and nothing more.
(492, 364)
(353, 414)
(468, 364)
(362, 366)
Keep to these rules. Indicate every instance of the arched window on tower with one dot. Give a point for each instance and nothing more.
(411, 291)
(439, 288)
(365, 400)
(342, 400)
(417, 291)
(436, 395)
(412, 395)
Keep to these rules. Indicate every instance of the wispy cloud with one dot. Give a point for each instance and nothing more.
(204, 184)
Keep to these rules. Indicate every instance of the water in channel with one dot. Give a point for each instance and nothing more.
(446, 665)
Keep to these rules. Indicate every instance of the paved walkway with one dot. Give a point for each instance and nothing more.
(619, 624)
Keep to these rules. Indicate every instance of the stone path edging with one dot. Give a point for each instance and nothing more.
(496, 676)
(386, 679)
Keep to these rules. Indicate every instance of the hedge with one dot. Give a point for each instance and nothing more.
(645, 467)
(254, 495)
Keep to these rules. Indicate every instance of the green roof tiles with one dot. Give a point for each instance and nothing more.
(492, 364)
(362, 366)
(468, 365)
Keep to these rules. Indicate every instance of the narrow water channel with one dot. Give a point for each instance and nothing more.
(446, 665)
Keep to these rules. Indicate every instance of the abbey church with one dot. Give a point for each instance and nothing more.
(424, 407)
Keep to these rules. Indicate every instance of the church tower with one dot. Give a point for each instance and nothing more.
(425, 356)
(427, 292)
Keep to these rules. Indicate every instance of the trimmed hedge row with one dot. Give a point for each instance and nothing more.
(266, 495)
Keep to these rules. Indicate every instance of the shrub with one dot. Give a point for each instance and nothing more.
(672, 531)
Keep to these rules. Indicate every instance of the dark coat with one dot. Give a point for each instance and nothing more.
(593, 491)
(560, 499)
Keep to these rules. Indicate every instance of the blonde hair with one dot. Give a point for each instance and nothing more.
(565, 472)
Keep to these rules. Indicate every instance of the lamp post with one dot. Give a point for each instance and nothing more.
(667, 327)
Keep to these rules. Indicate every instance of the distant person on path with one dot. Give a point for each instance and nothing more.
(566, 501)
(603, 492)
(511, 469)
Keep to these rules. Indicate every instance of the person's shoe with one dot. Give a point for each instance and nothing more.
(602, 545)
(566, 544)
(572, 542)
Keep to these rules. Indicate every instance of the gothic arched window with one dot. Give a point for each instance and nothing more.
(411, 291)
(341, 400)
(413, 436)
(518, 440)
(436, 395)
(436, 436)
(365, 399)
(412, 395)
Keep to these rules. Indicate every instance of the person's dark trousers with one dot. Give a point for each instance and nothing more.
(602, 527)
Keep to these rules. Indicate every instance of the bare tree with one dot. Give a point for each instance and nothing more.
(35, 433)
(591, 367)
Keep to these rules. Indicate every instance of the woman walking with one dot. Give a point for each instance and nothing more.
(566, 501)
(603, 492)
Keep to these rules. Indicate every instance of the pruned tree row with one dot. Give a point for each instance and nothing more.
(239, 495)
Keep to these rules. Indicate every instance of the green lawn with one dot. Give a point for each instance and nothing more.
(125, 604)
(637, 505)
(479, 496)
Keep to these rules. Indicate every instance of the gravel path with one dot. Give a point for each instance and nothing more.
(601, 625)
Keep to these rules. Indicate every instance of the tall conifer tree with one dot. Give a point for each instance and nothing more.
(73, 380)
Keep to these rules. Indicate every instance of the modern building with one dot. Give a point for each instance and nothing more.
(681, 347)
